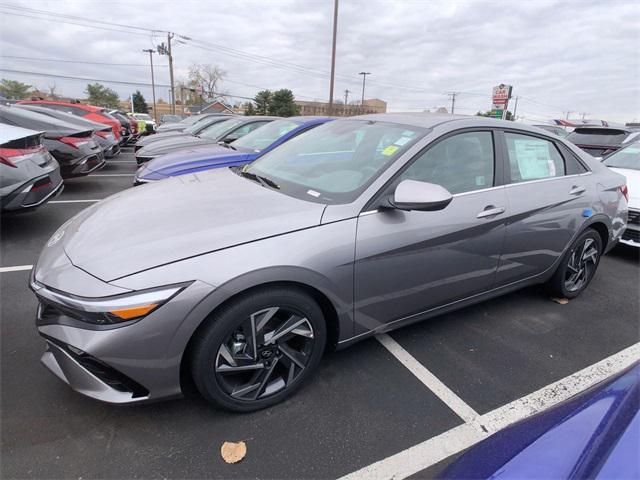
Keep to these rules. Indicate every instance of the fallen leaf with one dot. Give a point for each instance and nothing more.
(233, 452)
(561, 301)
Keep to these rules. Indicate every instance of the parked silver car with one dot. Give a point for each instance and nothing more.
(29, 175)
(239, 279)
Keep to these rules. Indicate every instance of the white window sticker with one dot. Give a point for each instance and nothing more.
(313, 193)
(534, 159)
(402, 141)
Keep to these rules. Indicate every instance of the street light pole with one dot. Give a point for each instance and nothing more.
(333, 55)
(173, 98)
(153, 82)
(364, 78)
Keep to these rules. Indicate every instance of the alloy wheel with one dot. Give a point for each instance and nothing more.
(265, 354)
(581, 266)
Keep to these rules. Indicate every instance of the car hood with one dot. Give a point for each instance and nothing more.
(180, 217)
(170, 144)
(633, 185)
(158, 137)
(171, 128)
(197, 159)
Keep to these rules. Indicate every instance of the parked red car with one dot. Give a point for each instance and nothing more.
(90, 112)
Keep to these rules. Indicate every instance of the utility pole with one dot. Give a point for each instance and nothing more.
(346, 96)
(153, 83)
(364, 77)
(568, 112)
(166, 50)
(333, 55)
(453, 95)
(515, 109)
(584, 114)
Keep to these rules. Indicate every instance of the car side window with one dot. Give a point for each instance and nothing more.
(532, 158)
(461, 163)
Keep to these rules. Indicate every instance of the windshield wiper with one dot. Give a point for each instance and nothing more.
(227, 145)
(259, 179)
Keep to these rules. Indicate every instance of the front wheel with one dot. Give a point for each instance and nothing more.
(259, 349)
(578, 266)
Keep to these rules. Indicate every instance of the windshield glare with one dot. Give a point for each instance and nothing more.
(626, 158)
(264, 136)
(215, 131)
(335, 162)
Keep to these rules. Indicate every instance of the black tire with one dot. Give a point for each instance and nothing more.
(561, 284)
(213, 365)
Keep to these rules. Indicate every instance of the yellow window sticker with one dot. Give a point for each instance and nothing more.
(390, 150)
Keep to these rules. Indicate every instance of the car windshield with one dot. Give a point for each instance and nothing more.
(264, 136)
(192, 119)
(628, 157)
(202, 123)
(142, 116)
(171, 118)
(335, 162)
(215, 131)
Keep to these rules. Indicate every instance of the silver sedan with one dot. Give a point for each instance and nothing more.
(239, 279)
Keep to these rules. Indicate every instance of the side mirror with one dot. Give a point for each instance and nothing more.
(230, 138)
(414, 195)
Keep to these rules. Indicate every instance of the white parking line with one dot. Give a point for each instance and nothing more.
(74, 201)
(18, 268)
(453, 401)
(436, 449)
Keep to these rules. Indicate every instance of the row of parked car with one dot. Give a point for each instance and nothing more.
(81, 137)
(44, 142)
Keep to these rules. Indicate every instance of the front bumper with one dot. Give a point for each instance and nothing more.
(133, 362)
(631, 236)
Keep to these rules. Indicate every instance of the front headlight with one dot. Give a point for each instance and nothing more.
(104, 310)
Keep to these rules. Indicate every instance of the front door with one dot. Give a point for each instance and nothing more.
(408, 262)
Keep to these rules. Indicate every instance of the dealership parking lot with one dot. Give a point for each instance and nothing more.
(373, 401)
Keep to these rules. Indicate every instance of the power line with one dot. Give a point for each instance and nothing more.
(22, 8)
(77, 61)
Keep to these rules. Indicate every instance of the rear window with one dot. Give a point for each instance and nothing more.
(597, 136)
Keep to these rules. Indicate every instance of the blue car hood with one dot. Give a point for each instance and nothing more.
(194, 160)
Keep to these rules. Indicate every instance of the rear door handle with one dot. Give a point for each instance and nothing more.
(577, 190)
(491, 211)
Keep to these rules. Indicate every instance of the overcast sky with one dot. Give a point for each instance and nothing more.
(581, 56)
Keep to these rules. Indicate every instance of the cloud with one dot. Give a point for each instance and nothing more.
(559, 55)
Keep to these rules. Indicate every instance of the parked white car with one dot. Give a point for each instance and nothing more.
(627, 162)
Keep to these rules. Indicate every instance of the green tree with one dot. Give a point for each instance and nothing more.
(102, 96)
(282, 104)
(249, 110)
(508, 116)
(263, 102)
(139, 103)
(13, 90)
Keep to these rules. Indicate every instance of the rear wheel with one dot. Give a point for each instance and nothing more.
(578, 266)
(259, 349)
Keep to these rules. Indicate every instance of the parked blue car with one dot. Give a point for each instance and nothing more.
(593, 435)
(240, 152)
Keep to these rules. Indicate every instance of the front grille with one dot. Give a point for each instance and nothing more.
(633, 235)
(634, 217)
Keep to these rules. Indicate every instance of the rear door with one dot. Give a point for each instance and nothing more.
(549, 195)
(408, 262)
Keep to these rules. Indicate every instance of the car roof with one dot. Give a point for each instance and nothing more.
(431, 120)
(67, 117)
(84, 106)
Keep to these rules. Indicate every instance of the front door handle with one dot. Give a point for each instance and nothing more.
(577, 190)
(491, 211)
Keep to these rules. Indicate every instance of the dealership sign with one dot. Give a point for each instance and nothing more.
(500, 99)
